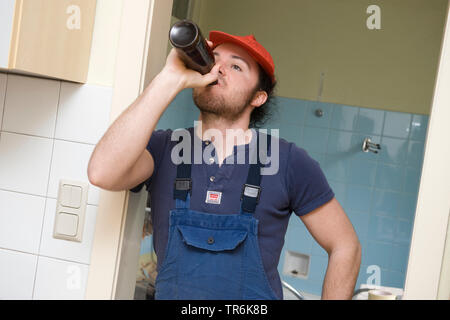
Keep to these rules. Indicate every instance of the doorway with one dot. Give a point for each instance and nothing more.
(353, 78)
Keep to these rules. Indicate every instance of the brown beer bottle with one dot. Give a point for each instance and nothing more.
(191, 46)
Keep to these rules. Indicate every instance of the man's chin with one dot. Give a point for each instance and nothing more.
(206, 98)
(208, 108)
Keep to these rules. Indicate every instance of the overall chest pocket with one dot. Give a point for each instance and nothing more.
(211, 239)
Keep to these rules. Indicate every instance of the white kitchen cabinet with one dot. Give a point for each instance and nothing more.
(50, 38)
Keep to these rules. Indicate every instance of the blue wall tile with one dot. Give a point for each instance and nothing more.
(340, 190)
(378, 253)
(192, 114)
(296, 222)
(344, 118)
(370, 121)
(273, 125)
(415, 154)
(273, 119)
(317, 269)
(412, 180)
(419, 124)
(299, 240)
(393, 150)
(385, 203)
(315, 139)
(181, 113)
(382, 228)
(360, 222)
(393, 279)
(335, 168)
(340, 143)
(403, 232)
(397, 124)
(400, 254)
(312, 119)
(389, 177)
(291, 111)
(171, 119)
(292, 133)
(317, 250)
(363, 242)
(358, 198)
(361, 172)
(407, 206)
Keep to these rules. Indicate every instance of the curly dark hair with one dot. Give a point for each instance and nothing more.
(261, 114)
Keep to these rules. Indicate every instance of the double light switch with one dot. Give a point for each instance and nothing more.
(70, 210)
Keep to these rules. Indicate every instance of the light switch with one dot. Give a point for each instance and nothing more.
(64, 195)
(67, 224)
(70, 210)
(76, 196)
(70, 196)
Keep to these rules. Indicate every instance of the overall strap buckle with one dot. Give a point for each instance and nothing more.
(183, 184)
(251, 191)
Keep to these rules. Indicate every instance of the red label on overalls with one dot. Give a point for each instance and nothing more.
(213, 197)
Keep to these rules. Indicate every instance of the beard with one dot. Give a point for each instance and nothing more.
(216, 104)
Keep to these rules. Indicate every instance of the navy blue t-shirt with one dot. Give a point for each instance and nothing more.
(299, 186)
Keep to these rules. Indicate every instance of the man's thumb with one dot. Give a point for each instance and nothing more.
(213, 75)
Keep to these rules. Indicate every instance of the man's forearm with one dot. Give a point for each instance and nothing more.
(127, 137)
(342, 273)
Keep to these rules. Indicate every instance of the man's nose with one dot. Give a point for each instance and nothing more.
(221, 68)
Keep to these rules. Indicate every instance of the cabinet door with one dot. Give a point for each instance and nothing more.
(53, 38)
(6, 24)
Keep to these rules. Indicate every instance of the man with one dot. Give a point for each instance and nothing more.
(219, 228)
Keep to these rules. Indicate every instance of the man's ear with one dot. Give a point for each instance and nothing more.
(259, 98)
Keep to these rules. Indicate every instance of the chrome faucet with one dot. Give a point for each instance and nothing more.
(368, 145)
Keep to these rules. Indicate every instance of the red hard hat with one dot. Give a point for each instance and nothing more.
(249, 43)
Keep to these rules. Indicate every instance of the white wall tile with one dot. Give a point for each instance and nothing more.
(3, 79)
(24, 163)
(70, 161)
(83, 113)
(64, 249)
(21, 218)
(30, 105)
(6, 26)
(17, 275)
(60, 280)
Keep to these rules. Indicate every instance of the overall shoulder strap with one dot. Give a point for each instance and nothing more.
(251, 190)
(183, 181)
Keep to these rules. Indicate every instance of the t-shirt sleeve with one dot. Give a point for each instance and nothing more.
(308, 187)
(156, 146)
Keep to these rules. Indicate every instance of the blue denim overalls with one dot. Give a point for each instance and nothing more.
(214, 256)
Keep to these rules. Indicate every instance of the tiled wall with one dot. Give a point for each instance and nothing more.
(48, 130)
(377, 191)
